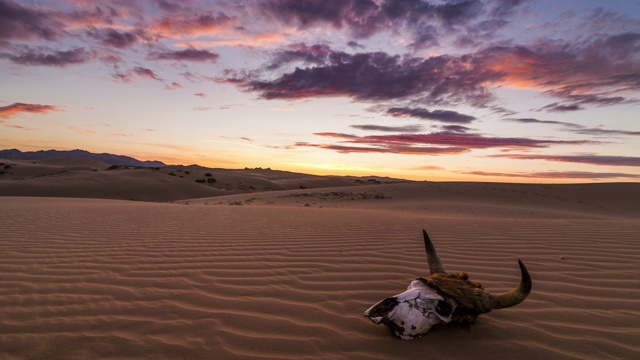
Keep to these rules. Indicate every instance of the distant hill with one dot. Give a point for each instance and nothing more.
(111, 159)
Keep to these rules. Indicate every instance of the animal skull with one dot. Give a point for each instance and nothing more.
(442, 298)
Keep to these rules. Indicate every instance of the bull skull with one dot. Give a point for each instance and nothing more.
(442, 298)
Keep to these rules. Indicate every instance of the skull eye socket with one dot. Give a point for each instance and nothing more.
(443, 308)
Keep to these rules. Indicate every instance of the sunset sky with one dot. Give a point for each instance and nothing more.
(501, 90)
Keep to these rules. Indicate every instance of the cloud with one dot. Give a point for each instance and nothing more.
(596, 70)
(190, 54)
(599, 131)
(424, 21)
(15, 109)
(455, 128)
(180, 25)
(377, 76)
(23, 23)
(391, 148)
(583, 159)
(146, 73)
(447, 116)
(537, 121)
(315, 54)
(402, 129)
(557, 107)
(137, 71)
(429, 167)
(173, 86)
(599, 71)
(429, 144)
(556, 175)
(44, 57)
(112, 37)
(576, 128)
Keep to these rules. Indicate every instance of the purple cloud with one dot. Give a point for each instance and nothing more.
(146, 73)
(583, 159)
(190, 54)
(43, 57)
(21, 23)
(390, 148)
(447, 116)
(315, 54)
(537, 121)
(379, 76)
(424, 20)
(556, 175)
(429, 144)
(114, 38)
(402, 129)
(455, 128)
(576, 128)
(142, 72)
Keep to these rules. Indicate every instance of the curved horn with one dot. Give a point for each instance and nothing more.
(435, 266)
(517, 295)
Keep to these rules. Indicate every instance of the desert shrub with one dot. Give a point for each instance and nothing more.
(172, 174)
(211, 180)
(201, 181)
(208, 174)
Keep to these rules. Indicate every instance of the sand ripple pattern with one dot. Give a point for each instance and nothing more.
(86, 279)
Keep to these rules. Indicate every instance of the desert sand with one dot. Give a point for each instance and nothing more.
(247, 273)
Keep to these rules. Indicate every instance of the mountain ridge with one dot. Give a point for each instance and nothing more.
(111, 159)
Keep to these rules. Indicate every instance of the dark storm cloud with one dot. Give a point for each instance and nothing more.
(446, 116)
(46, 57)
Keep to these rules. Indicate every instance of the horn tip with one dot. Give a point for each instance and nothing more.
(526, 278)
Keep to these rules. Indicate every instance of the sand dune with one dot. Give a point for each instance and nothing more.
(273, 278)
(92, 179)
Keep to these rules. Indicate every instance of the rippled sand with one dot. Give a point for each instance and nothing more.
(86, 278)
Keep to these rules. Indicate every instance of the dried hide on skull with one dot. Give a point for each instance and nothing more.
(442, 298)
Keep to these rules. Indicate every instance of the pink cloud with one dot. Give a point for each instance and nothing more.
(18, 108)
